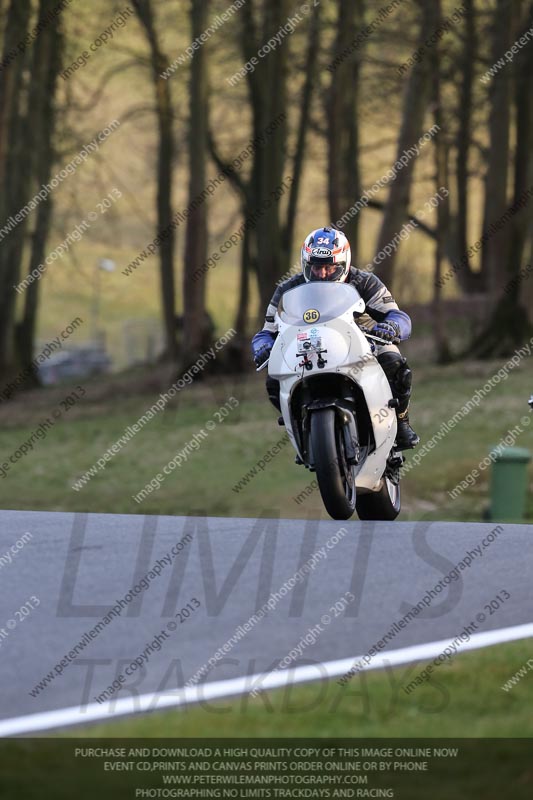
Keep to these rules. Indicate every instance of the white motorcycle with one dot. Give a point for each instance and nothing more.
(336, 401)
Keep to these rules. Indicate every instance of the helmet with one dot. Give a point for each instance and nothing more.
(326, 247)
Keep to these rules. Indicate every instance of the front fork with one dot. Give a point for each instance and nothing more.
(350, 435)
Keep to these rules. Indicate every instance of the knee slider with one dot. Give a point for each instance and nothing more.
(397, 371)
(391, 363)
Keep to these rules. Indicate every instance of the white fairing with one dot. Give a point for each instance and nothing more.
(348, 352)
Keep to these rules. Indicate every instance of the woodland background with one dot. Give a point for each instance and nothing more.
(350, 109)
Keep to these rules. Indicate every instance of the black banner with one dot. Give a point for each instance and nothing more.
(407, 769)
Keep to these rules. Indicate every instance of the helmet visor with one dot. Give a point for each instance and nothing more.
(323, 270)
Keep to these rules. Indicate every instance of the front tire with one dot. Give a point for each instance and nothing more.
(335, 477)
(385, 504)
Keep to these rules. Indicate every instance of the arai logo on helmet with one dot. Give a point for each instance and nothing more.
(321, 252)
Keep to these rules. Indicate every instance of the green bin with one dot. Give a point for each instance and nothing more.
(508, 483)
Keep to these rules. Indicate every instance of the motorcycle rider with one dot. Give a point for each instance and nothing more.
(326, 256)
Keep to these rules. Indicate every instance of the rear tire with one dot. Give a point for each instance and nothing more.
(384, 505)
(336, 479)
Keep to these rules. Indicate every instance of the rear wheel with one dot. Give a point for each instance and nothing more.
(335, 477)
(384, 504)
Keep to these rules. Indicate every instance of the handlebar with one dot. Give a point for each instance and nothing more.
(377, 338)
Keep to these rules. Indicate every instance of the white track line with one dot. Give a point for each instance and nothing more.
(95, 712)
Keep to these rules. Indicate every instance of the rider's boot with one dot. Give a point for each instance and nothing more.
(406, 438)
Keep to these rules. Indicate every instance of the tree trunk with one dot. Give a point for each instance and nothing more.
(523, 167)
(268, 238)
(14, 175)
(47, 59)
(495, 248)
(415, 105)
(271, 77)
(239, 348)
(468, 280)
(165, 163)
(196, 327)
(303, 127)
(442, 347)
(344, 180)
(247, 259)
(509, 325)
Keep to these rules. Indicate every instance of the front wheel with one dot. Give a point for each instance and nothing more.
(385, 504)
(336, 478)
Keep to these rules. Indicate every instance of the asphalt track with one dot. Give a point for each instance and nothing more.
(78, 566)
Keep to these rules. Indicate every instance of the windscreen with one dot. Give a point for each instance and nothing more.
(318, 301)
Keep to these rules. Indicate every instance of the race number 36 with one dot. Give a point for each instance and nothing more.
(311, 316)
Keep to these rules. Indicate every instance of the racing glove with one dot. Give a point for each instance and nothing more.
(261, 355)
(390, 331)
(262, 344)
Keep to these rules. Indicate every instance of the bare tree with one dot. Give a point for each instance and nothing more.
(39, 145)
(269, 233)
(196, 328)
(417, 95)
(443, 209)
(344, 179)
(311, 72)
(165, 163)
(495, 249)
(523, 166)
(469, 280)
(508, 325)
(268, 95)
(14, 172)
